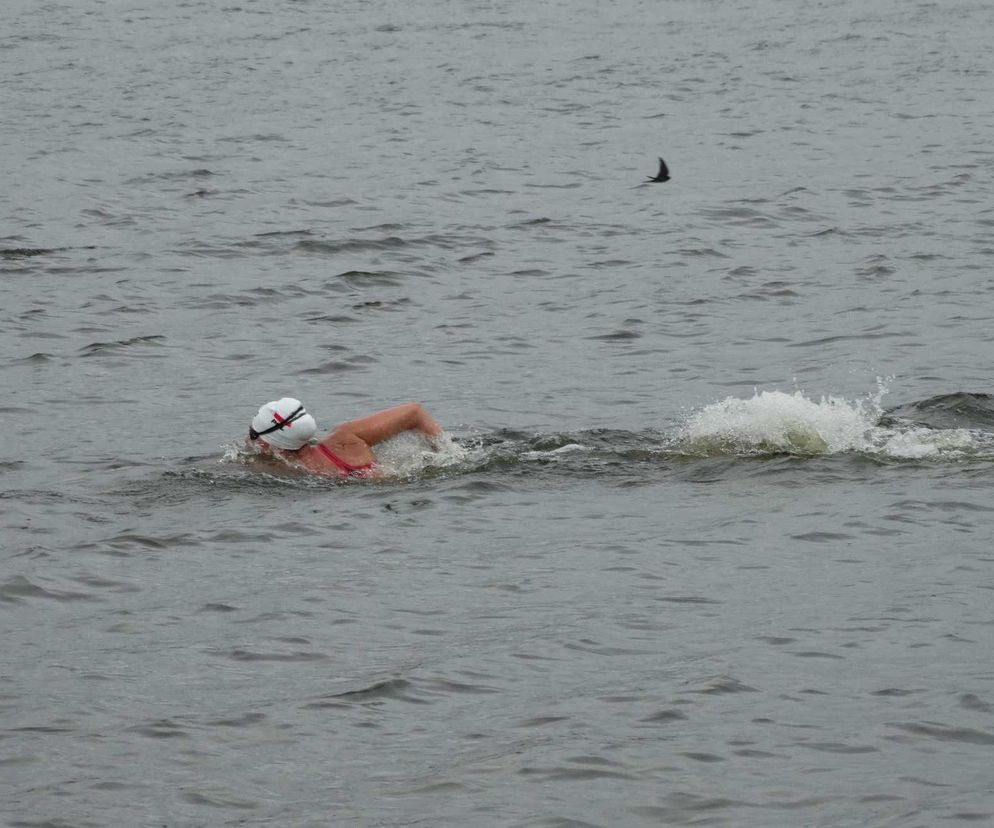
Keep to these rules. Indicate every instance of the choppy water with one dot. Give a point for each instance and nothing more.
(710, 542)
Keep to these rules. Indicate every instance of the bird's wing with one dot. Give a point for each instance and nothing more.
(663, 169)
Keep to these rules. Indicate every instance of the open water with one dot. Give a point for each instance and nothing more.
(710, 542)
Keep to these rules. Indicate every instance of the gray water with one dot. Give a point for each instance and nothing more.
(710, 542)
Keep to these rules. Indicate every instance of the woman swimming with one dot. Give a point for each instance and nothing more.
(285, 429)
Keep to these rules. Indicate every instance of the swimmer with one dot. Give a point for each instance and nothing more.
(284, 429)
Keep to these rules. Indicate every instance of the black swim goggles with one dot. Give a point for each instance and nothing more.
(279, 423)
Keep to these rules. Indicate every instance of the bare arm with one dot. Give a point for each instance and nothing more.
(385, 424)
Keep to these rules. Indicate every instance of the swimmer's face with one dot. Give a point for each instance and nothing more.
(258, 445)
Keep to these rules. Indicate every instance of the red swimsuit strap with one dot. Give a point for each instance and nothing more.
(348, 468)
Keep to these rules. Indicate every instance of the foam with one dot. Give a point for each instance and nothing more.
(780, 423)
(410, 454)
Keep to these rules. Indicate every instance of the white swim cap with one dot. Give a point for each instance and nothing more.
(283, 424)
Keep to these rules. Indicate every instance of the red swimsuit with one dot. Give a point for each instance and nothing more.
(347, 469)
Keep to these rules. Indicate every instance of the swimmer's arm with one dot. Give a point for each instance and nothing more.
(386, 424)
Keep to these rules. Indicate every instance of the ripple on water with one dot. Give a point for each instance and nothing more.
(122, 345)
(161, 729)
(723, 685)
(242, 654)
(946, 733)
(377, 693)
(580, 769)
(219, 798)
(17, 589)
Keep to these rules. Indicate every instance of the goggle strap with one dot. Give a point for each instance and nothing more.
(296, 415)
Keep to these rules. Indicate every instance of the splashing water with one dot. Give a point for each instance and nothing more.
(774, 422)
(925, 443)
(234, 453)
(410, 454)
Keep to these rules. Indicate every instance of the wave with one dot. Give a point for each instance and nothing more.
(98, 348)
(775, 422)
(958, 410)
(27, 252)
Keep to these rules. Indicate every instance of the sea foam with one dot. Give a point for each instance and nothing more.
(775, 422)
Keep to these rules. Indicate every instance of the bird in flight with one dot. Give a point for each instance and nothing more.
(664, 173)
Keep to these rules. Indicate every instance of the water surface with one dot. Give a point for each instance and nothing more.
(710, 541)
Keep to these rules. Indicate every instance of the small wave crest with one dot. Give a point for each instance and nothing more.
(775, 422)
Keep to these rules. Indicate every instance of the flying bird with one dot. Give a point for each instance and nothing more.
(664, 173)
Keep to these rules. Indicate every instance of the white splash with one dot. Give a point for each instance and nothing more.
(924, 443)
(773, 421)
(235, 452)
(781, 423)
(412, 454)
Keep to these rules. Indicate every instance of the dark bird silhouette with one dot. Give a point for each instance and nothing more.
(664, 173)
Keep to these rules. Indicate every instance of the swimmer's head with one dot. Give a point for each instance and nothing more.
(283, 424)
